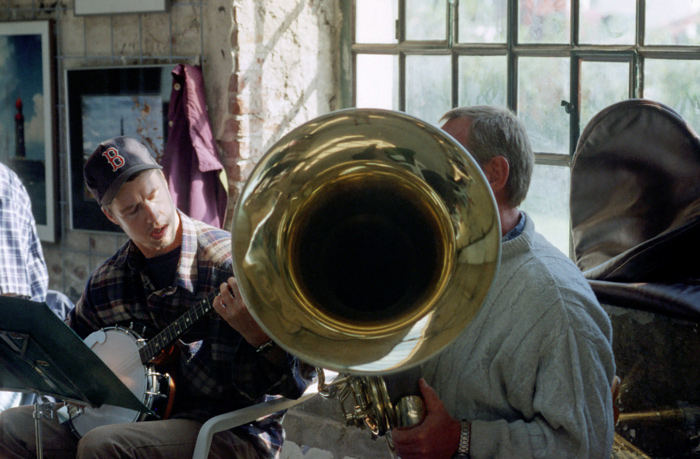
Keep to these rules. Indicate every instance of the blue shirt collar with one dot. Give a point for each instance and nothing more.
(517, 229)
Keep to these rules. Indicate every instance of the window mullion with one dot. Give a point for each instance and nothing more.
(512, 64)
(575, 80)
(637, 62)
(348, 83)
(402, 81)
(575, 107)
(452, 38)
(451, 23)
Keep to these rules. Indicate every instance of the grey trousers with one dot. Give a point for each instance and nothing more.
(171, 439)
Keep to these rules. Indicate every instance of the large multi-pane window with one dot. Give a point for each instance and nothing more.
(556, 63)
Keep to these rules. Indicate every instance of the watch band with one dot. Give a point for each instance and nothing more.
(465, 438)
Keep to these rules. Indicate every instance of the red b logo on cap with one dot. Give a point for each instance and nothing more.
(114, 158)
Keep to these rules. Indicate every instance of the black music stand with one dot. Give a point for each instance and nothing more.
(41, 354)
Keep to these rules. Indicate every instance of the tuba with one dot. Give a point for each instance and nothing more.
(364, 242)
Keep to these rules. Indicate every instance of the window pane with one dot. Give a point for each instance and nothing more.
(482, 22)
(543, 82)
(377, 81)
(375, 21)
(428, 87)
(482, 80)
(675, 83)
(602, 84)
(426, 20)
(672, 22)
(606, 22)
(547, 202)
(544, 21)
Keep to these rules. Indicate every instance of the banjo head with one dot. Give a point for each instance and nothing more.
(118, 348)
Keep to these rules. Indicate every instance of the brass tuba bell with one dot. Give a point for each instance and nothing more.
(364, 242)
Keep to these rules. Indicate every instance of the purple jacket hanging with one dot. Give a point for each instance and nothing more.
(190, 161)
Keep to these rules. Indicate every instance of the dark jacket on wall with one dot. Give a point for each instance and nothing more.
(190, 162)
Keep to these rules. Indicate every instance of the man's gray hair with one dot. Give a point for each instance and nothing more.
(494, 132)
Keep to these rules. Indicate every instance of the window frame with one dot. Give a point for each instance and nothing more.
(634, 54)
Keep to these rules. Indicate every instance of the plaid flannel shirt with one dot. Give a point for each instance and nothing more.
(22, 267)
(219, 370)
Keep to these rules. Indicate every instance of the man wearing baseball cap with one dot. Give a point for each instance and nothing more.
(171, 262)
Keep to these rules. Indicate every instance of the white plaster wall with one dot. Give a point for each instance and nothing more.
(284, 64)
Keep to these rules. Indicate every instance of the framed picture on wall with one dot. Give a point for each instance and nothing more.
(107, 102)
(27, 142)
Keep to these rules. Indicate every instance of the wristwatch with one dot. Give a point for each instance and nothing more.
(465, 438)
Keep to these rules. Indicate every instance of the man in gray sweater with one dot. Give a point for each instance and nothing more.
(531, 374)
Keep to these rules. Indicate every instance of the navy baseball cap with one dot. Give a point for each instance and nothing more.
(112, 163)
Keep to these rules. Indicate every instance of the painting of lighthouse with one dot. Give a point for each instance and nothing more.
(26, 115)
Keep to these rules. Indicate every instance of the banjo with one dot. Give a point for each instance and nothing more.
(133, 360)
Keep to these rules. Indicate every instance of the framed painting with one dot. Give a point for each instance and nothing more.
(107, 102)
(27, 142)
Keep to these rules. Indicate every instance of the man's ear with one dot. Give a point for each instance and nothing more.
(108, 214)
(497, 171)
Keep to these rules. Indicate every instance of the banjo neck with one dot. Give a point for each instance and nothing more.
(173, 331)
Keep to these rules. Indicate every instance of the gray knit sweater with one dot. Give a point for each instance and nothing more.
(533, 370)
